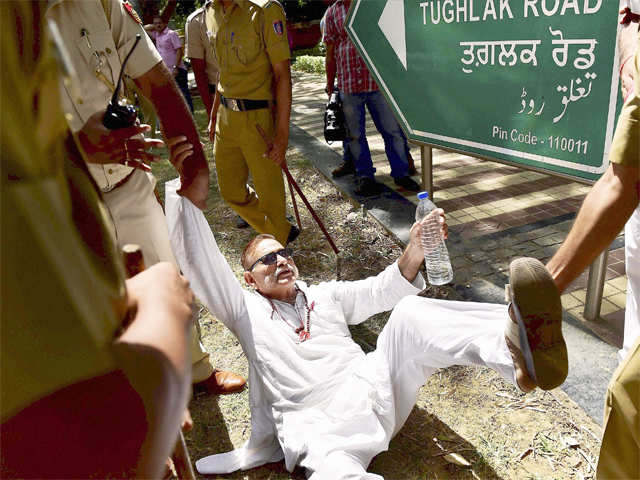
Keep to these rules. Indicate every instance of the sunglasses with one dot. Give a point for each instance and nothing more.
(271, 257)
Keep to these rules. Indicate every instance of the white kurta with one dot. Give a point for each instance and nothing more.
(324, 404)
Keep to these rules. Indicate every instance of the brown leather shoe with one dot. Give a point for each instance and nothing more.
(346, 168)
(221, 382)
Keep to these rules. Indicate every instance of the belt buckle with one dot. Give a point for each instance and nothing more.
(234, 104)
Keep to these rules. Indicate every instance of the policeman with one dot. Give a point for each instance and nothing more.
(252, 51)
(200, 53)
(66, 411)
(99, 34)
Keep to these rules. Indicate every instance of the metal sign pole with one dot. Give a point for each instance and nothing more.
(426, 162)
(595, 286)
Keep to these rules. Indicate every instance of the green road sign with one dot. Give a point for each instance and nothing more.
(532, 82)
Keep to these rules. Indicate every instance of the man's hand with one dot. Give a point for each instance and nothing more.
(276, 151)
(416, 230)
(329, 89)
(413, 256)
(123, 145)
(211, 128)
(180, 150)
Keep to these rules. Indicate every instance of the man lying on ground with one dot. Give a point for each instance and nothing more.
(317, 400)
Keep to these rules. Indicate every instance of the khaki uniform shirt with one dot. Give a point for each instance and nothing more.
(198, 44)
(625, 148)
(62, 278)
(248, 39)
(97, 46)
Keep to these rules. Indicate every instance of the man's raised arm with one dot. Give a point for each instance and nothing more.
(201, 261)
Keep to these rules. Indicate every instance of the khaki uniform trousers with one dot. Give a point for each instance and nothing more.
(139, 219)
(239, 150)
(620, 450)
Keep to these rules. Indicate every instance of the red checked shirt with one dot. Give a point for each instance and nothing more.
(353, 74)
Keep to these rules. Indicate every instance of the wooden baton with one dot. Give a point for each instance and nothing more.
(134, 264)
(295, 185)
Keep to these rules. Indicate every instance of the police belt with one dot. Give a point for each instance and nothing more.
(243, 105)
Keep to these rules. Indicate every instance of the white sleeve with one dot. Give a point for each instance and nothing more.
(363, 298)
(200, 259)
(634, 6)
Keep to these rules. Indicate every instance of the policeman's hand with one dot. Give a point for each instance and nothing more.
(211, 128)
(123, 145)
(415, 234)
(276, 151)
(161, 292)
(162, 302)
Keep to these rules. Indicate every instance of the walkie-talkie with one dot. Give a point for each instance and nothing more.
(121, 115)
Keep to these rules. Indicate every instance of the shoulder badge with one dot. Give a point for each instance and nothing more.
(278, 27)
(131, 11)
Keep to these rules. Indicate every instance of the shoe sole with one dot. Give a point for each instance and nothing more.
(538, 311)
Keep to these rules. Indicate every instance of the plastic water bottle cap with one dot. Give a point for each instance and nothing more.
(423, 195)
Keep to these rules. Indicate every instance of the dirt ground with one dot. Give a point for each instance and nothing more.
(468, 415)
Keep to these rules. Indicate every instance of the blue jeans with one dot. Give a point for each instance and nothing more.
(353, 105)
(183, 85)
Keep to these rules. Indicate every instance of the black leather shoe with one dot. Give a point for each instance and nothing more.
(347, 168)
(293, 234)
(241, 223)
(368, 187)
(407, 183)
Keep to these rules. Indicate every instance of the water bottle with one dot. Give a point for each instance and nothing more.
(436, 256)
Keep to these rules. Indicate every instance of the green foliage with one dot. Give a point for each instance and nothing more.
(318, 51)
(309, 64)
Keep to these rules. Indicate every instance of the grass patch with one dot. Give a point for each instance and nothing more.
(309, 64)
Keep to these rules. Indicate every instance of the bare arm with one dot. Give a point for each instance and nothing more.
(199, 71)
(604, 212)
(330, 66)
(282, 80)
(159, 86)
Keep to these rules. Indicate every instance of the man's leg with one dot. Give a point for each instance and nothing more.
(353, 106)
(342, 466)
(423, 335)
(232, 170)
(183, 84)
(348, 166)
(395, 144)
(632, 258)
(267, 177)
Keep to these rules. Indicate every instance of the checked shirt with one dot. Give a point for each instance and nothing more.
(353, 74)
